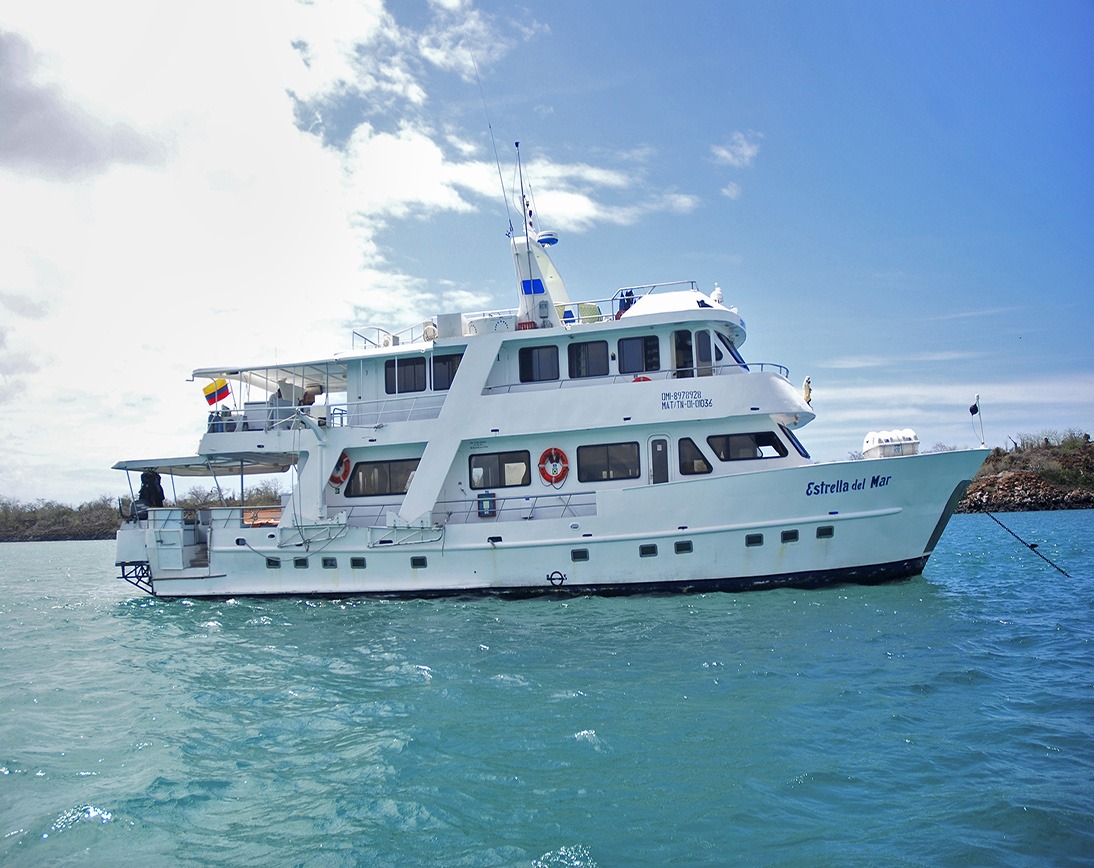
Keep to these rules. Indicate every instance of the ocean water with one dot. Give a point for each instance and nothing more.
(948, 719)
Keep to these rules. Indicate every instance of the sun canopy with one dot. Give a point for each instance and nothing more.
(218, 465)
(329, 374)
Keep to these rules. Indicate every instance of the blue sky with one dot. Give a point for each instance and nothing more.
(898, 196)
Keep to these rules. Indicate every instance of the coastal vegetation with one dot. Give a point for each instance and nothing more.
(100, 518)
(1049, 470)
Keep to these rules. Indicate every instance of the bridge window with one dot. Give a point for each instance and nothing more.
(376, 478)
(637, 355)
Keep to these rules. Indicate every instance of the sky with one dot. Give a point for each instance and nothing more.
(899, 198)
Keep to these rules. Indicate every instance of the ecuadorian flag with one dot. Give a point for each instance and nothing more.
(216, 391)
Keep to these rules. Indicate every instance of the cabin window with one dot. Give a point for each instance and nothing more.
(500, 469)
(419, 562)
(683, 547)
(826, 531)
(444, 370)
(704, 365)
(649, 550)
(330, 563)
(273, 563)
(692, 461)
(682, 358)
(588, 359)
(300, 563)
(404, 375)
(754, 539)
(789, 536)
(377, 478)
(607, 461)
(538, 364)
(357, 563)
(577, 555)
(741, 447)
(794, 441)
(637, 355)
(732, 350)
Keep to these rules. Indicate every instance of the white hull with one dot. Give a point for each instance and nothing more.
(635, 542)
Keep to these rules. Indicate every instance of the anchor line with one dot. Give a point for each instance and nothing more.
(1031, 546)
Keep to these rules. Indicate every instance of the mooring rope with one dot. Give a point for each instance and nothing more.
(1031, 546)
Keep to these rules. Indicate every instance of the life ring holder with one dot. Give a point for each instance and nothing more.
(553, 466)
(341, 470)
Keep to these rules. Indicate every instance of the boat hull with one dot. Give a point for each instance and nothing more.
(810, 526)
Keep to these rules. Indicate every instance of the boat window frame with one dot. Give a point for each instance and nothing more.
(731, 348)
(499, 474)
(689, 465)
(648, 351)
(442, 361)
(580, 356)
(613, 465)
(795, 442)
(760, 441)
(389, 489)
(396, 382)
(538, 364)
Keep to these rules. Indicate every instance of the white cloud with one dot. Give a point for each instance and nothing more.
(739, 151)
(732, 190)
(208, 225)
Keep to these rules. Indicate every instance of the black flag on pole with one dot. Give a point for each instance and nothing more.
(974, 409)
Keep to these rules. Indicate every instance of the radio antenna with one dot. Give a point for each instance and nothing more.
(493, 142)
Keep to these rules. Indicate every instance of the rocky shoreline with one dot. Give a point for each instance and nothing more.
(1035, 475)
(1021, 491)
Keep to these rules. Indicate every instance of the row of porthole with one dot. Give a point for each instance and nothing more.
(328, 563)
(646, 550)
(826, 531)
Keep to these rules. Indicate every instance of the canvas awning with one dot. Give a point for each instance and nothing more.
(214, 465)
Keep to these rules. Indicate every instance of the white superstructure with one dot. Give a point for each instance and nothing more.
(615, 444)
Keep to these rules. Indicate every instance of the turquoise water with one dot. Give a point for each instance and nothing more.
(944, 720)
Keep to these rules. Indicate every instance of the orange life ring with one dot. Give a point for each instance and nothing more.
(341, 470)
(640, 380)
(553, 466)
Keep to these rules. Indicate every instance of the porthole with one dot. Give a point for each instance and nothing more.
(579, 555)
(826, 532)
(789, 536)
(273, 563)
(754, 539)
(683, 547)
(300, 563)
(647, 551)
(357, 563)
(330, 563)
(419, 562)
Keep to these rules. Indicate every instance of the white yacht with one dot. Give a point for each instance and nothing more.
(618, 444)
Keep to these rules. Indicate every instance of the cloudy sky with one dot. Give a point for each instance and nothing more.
(898, 196)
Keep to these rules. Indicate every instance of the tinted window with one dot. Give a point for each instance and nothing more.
(404, 375)
(444, 369)
(499, 469)
(639, 354)
(741, 447)
(538, 364)
(375, 478)
(607, 461)
(588, 359)
(692, 460)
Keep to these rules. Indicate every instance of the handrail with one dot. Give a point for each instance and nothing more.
(669, 374)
